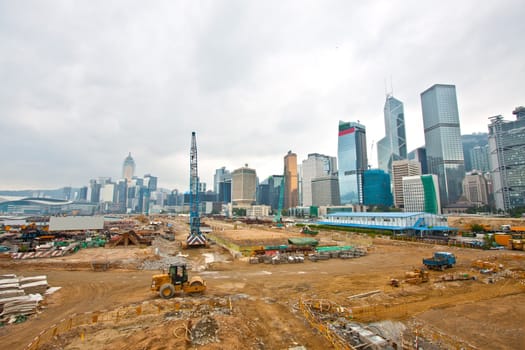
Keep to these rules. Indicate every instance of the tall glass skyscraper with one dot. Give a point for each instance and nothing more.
(220, 175)
(507, 160)
(353, 161)
(443, 140)
(376, 188)
(393, 146)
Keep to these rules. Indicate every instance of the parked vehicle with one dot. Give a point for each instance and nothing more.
(440, 261)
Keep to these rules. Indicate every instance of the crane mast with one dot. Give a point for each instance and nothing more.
(195, 238)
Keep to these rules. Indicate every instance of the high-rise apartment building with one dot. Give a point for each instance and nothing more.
(316, 165)
(507, 160)
(475, 189)
(393, 146)
(443, 140)
(128, 168)
(401, 169)
(291, 187)
(421, 194)
(353, 161)
(376, 188)
(244, 185)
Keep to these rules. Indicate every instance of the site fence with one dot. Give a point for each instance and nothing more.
(121, 315)
(337, 341)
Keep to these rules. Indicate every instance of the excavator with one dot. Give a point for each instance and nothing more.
(175, 281)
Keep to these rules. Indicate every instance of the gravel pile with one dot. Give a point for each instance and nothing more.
(205, 331)
(164, 263)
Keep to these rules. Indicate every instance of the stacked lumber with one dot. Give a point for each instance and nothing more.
(9, 287)
(34, 285)
(20, 295)
(9, 293)
(22, 305)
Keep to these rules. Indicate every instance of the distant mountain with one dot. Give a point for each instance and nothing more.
(59, 193)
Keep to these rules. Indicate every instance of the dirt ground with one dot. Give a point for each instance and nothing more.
(255, 306)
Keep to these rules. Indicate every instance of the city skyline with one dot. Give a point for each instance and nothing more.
(87, 83)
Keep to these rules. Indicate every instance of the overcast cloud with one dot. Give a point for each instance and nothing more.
(85, 82)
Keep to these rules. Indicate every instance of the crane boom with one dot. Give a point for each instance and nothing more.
(195, 238)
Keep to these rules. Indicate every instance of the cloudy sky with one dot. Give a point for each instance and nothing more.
(82, 83)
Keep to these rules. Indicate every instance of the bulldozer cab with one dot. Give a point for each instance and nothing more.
(178, 274)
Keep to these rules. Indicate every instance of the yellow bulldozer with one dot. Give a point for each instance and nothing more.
(176, 281)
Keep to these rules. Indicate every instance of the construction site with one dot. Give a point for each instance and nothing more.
(379, 296)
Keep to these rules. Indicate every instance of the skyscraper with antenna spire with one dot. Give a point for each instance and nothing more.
(393, 146)
(128, 168)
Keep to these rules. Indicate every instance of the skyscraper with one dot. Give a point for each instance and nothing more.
(128, 168)
(244, 185)
(316, 165)
(507, 160)
(353, 161)
(275, 182)
(443, 140)
(220, 175)
(376, 188)
(393, 146)
(291, 188)
(419, 155)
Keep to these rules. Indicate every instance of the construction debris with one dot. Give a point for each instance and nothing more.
(279, 258)
(449, 277)
(164, 263)
(205, 331)
(20, 296)
(416, 276)
(341, 252)
(130, 237)
(333, 321)
(362, 295)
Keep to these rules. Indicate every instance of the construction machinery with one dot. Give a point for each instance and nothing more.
(176, 281)
(416, 276)
(307, 230)
(196, 238)
(440, 261)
